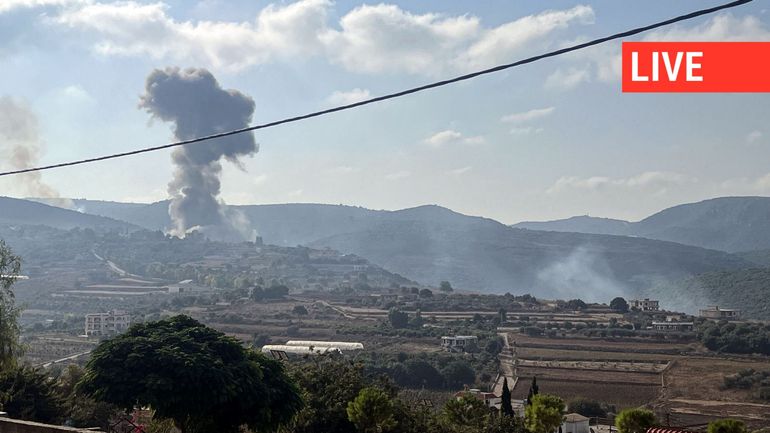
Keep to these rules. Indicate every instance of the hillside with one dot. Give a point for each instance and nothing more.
(745, 289)
(17, 211)
(429, 244)
(728, 223)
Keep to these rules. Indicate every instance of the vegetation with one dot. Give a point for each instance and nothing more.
(589, 408)
(544, 413)
(192, 374)
(10, 349)
(732, 337)
(28, 393)
(372, 411)
(750, 379)
(635, 421)
(619, 304)
(727, 426)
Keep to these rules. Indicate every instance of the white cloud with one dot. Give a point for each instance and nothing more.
(7, 5)
(348, 97)
(656, 182)
(398, 175)
(449, 136)
(526, 130)
(753, 136)
(461, 170)
(567, 79)
(296, 193)
(381, 38)
(528, 116)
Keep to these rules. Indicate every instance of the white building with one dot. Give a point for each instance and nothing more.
(673, 326)
(575, 423)
(460, 343)
(644, 304)
(110, 323)
(714, 312)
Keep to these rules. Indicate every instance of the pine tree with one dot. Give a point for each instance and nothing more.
(505, 404)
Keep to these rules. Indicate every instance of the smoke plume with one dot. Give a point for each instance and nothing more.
(197, 105)
(582, 274)
(21, 146)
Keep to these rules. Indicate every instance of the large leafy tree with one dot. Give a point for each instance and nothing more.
(185, 371)
(635, 420)
(27, 393)
(727, 426)
(544, 413)
(466, 413)
(10, 348)
(619, 304)
(372, 411)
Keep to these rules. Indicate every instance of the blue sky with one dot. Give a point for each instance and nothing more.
(544, 141)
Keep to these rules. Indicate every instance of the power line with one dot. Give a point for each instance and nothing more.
(433, 85)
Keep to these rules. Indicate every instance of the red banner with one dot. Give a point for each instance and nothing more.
(696, 66)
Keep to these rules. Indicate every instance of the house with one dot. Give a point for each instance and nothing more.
(673, 326)
(460, 343)
(575, 423)
(716, 313)
(645, 304)
(489, 398)
(110, 323)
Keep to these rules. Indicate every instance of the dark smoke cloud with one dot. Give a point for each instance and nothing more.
(197, 105)
(21, 146)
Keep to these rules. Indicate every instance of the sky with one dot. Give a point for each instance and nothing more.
(544, 141)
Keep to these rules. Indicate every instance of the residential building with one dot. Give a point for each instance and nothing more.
(716, 313)
(673, 326)
(645, 304)
(460, 343)
(490, 399)
(110, 323)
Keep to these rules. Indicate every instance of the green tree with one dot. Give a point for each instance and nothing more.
(445, 287)
(372, 411)
(458, 373)
(727, 426)
(10, 348)
(327, 386)
(586, 407)
(299, 310)
(465, 412)
(83, 411)
(506, 408)
(619, 304)
(635, 420)
(397, 318)
(544, 413)
(27, 393)
(185, 371)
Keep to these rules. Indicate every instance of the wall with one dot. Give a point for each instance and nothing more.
(8, 425)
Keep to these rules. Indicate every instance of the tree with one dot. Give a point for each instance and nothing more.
(27, 393)
(422, 373)
(327, 387)
(299, 310)
(506, 408)
(81, 410)
(10, 348)
(586, 407)
(544, 413)
(466, 411)
(445, 287)
(426, 293)
(397, 318)
(372, 411)
(727, 426)
(458, 373)
(575, 304)
(635, 421)
(185, 371)
(619, 304)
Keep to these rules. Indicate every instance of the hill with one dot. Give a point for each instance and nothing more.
(429, 244)
(17, 211)
(729, 224)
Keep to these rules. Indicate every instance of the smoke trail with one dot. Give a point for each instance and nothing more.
(582, 274)
(194, 101)
(21, 144)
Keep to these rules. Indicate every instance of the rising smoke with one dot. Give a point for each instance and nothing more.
(582, 274)
(197, 105)
(21, 146)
